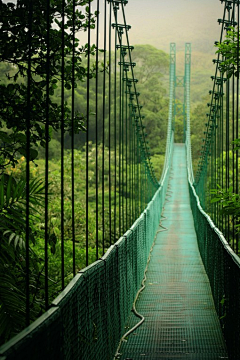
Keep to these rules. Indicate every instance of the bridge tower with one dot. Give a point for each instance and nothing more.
(180, 108)
(172, 75)
(187, 74)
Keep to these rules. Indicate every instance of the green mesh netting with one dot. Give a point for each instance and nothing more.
(87, 319)
(223, 269)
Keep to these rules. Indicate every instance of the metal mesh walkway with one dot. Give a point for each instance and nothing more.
(180, 318)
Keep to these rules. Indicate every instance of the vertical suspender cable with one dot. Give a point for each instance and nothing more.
(62, 144)
(136, 183)
(227, 142)
(233, 117)
(131, 157)
(28, 124)
(135, 165)
(233, 135)
(96, 130)
(222, 149)
(237, 111)
(219, 148)
(115, 128)
(109, 125)
(87, 131)
(126, 158)
(138, 172)
(215, 156)
(142, 182)
(72, 137)
(120, 142)
(218, 155)
(122, 145)
(103, 136)
(46, 152)
(146, 188)
(128, 167)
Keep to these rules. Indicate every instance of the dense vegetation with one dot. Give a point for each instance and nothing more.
(227, 194)
(15, 113)
(17, 75)
(25, 67)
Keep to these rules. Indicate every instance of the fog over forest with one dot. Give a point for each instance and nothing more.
(159, 22)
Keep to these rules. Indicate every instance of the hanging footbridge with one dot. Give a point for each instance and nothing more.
(138, 268)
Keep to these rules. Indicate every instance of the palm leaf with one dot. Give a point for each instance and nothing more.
(13, 209)
(12, 306)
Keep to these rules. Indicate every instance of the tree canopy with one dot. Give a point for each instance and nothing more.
(40, 52)
(152, 66)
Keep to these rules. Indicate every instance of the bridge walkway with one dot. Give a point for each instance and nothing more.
(180, 318)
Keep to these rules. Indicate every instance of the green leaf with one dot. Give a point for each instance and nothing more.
(20, 137)
(2, 192)
(222, 302)
(11, 237)
(16, 241)
(33, 154)
(12, 305)
(9, 191)
(214, 200)
(5, 137)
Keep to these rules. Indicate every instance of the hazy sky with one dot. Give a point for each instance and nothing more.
(159, 22)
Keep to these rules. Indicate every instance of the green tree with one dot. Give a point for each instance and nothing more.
(13, 253)
(33, 58)
(229, 49)
(152, 65)
(32, 45)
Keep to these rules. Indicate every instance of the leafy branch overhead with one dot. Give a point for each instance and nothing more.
(39, 60)
(229, 49)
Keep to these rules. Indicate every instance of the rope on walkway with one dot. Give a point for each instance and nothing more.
(123, 338)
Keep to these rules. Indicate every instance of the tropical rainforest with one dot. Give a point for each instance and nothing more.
(152, 74)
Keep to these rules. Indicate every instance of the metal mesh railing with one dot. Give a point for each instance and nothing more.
(223, 268)
(79, 155)
(221, 263)
(217, 178)
(75, 165)
(86, 321)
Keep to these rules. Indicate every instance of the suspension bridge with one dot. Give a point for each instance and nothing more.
(138, 268)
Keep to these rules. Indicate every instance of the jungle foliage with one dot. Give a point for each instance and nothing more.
(229, 50)
(30, 66)
(31, 74)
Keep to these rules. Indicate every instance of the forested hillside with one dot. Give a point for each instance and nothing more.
(151, 70)
(152, 64)
(74, 157)
(152, 74)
